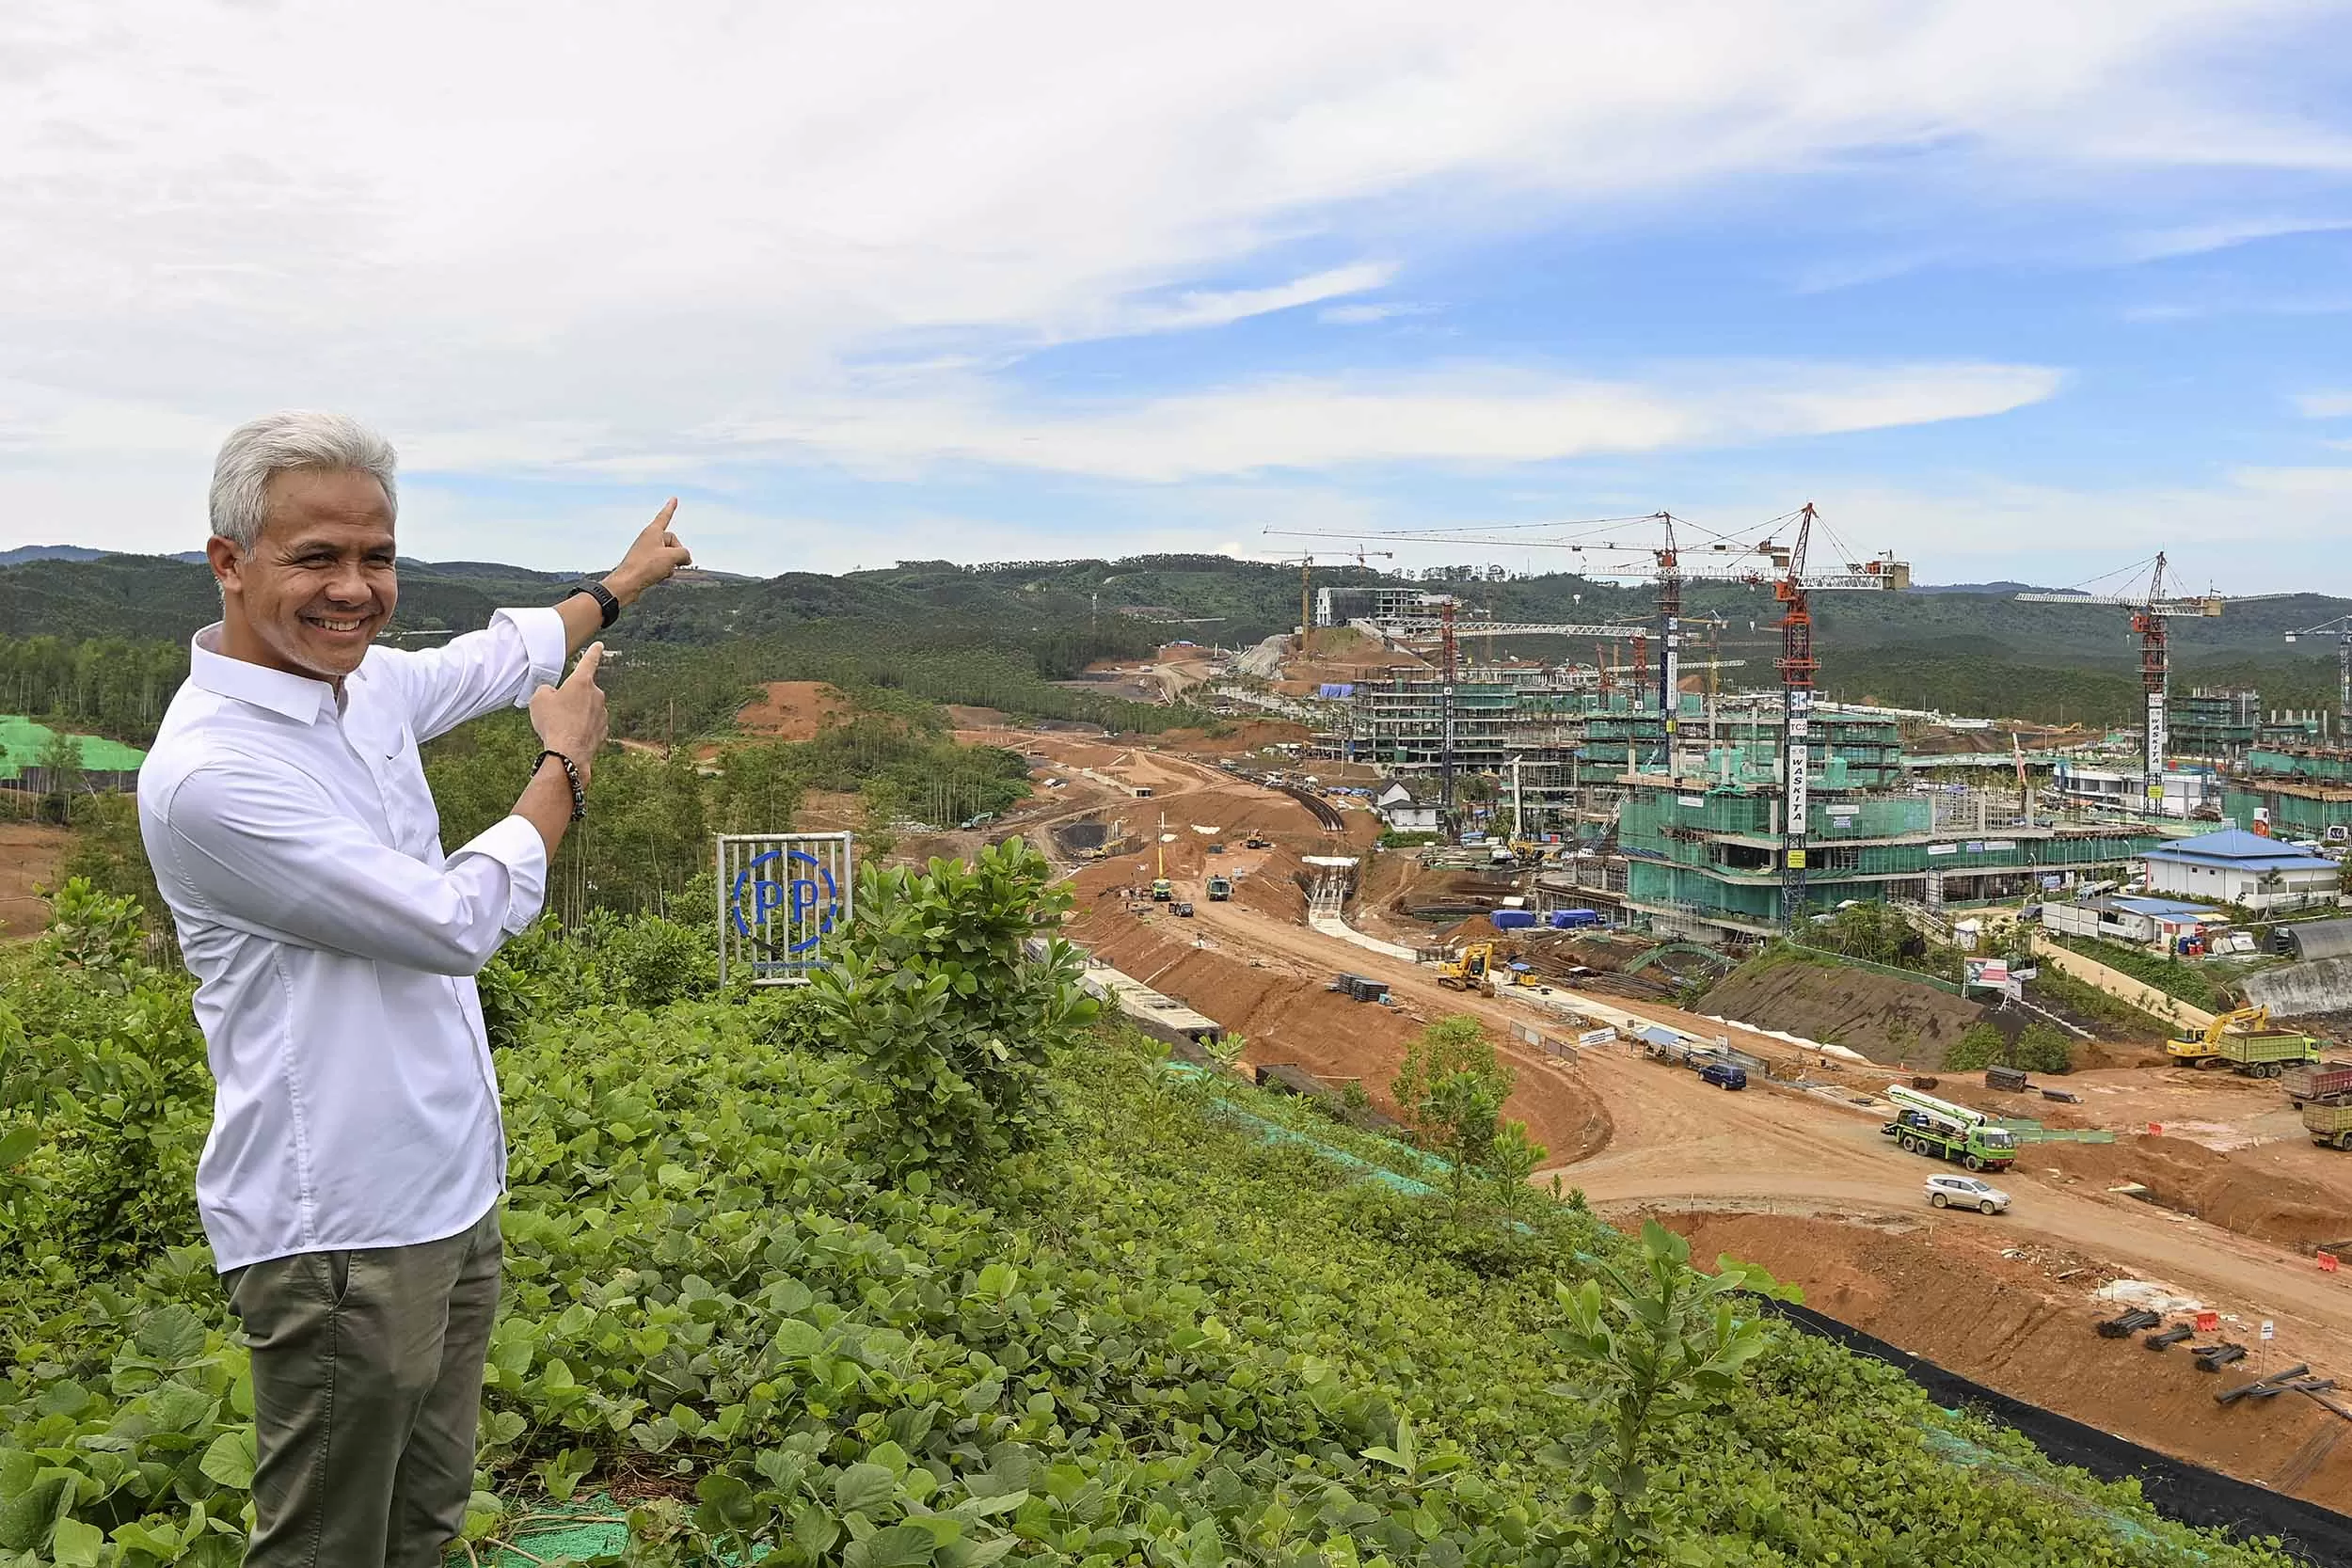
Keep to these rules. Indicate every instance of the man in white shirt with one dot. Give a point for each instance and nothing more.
(350, 1184)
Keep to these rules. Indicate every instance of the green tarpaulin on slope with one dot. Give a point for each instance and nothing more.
(21, 742)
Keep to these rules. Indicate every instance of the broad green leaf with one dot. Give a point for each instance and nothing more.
(898, 1547)
(77, 1544)
(863, 1488)
(230, 1460)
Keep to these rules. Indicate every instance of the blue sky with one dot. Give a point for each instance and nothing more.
(2016, 290)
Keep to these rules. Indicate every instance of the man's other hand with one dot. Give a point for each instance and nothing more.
(654, 556)
(570, 718)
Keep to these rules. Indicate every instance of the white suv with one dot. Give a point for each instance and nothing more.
(1967, 1192)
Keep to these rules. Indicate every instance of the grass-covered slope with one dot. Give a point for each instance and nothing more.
(1159, 1338)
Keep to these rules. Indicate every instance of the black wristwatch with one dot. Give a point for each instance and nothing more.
(603, 595)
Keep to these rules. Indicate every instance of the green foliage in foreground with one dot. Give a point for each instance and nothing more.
(1163, 1338)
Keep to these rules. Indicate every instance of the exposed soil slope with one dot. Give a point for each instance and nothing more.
(1888, 1020)
(2234, 1194)
(29, 853)
(794, 711)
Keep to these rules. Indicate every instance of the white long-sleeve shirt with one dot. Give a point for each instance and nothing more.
(334, 944)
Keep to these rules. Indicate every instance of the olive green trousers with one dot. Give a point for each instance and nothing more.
(367, 1390)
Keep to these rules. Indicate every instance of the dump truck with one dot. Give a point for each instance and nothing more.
(1473, 970)
(2244, 1042)
(1221, 890)
(2321, 1080)
(1163, 891)
(1942, 1130)
(2329, 1124)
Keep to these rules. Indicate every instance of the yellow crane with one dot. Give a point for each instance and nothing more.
(1163, 891)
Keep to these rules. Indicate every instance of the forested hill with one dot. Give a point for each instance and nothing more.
(1958, 649)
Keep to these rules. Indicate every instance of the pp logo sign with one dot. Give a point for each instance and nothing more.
(810, 899)
(780, 895)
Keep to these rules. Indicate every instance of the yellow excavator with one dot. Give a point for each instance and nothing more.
(1473, 970)
(2244, 1042)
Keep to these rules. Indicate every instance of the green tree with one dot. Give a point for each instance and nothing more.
(950, 1016)
(1655, 1339)
(1980, 1046)
(1451, 1089)
(61, 759)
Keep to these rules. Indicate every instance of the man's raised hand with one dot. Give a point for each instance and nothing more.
(570, 718)
(652, 558)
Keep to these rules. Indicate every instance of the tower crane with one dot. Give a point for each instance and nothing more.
(1721, 558)
(2340, 630)
(2151, 612)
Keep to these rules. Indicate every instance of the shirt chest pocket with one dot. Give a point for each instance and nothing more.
(408, 808)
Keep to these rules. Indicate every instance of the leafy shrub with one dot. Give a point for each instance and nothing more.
(104, 1098)
(935, 995)
(2039, 1048)
(2043, 1048)
(1656, 1340)
(657, 962)
(2170, 975)
(1981, 1045)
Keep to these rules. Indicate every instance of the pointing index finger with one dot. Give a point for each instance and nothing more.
(589, 662)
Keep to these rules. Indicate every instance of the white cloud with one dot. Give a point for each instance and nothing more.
(2324, 406)
(1469, 414)
(1364, 315)
(617, 246)
(1202, 308)
(2303, 484)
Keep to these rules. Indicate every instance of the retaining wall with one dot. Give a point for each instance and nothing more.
(2318, 985)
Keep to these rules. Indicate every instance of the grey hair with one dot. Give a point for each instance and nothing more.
(289, 441)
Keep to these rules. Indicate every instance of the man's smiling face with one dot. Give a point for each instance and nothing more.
(319, 583)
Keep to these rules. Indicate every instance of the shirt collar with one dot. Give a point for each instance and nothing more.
(298, 697)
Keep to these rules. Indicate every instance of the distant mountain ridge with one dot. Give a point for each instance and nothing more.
(1965, 647)
(24, 553)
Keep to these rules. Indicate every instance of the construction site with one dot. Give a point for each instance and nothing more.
(1629, 868)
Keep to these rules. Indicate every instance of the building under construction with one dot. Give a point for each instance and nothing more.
(2293, 792)
(1702, 846)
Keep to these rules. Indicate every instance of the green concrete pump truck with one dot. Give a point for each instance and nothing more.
(1942, 1130)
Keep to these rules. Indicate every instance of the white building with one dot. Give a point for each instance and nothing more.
(2179, 792)
(2235, 867)
(1403, 814)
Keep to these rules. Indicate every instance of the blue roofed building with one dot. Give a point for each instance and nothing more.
(2235, 867)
